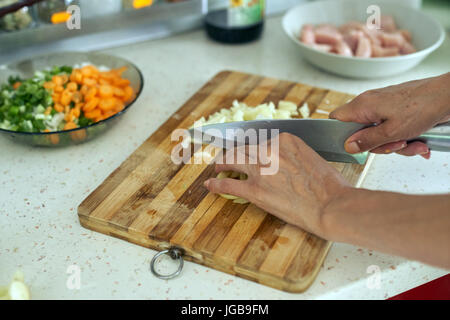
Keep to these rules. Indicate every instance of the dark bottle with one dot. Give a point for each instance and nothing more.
(241, 22)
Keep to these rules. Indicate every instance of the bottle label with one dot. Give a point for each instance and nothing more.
(245, 12)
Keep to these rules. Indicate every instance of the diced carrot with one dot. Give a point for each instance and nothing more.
(89, 82)
(58, 107)
(107, 104)
(106, 91)
(70, 125)
(86, 71)
(72, 86)
(119, 106)
(118, 92)
(48, 111)
(79, 105)
(109, 113)
(99, 118)
(129, 93)
(56, 97)
(120, 70)
(49, 85)
(91, 104)
(69, 117)
(66, 109)
(66, 97)
(57, 80)
(77, 97)
(103, 81)
(72, 75)
(76, 112)
(93, 114)
(91, 93)
(108, 75)
(78, 77)
(64, 78)
(84, 89)
(58, 88)
(119, 82)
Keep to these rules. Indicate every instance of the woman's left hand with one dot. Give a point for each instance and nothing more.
(298, 192)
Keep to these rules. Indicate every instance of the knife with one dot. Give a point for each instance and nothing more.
(325, 136)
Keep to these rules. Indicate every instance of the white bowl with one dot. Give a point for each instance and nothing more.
(427, 35)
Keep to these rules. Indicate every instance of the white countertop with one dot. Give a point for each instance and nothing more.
(40, 189)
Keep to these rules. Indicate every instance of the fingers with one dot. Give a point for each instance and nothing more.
(415, 148)
(390, 147)
(345, 113)
(370, 138)
(228, 186)
(360, 109)
(404, 148)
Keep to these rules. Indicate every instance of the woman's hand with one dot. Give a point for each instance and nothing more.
(297, 193)
(401, 112)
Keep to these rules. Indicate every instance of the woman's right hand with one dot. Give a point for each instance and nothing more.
(401, 112)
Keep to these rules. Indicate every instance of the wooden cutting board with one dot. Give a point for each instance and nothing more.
(155, 203)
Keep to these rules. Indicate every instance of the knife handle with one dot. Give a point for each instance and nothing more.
(437, 138)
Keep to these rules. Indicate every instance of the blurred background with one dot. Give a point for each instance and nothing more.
(30, 27)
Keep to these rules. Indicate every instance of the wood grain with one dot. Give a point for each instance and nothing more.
(153, 202)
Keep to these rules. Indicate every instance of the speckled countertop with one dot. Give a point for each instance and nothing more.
(40, 189)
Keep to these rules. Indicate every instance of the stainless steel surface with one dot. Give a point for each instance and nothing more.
(325, 136)
(175, 254)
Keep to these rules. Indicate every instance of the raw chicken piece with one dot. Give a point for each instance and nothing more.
(326, 34)
(321, 47)
(351, 37)
(406, 34)
(356, 39)
(392, 39)
(364, 48)
(353, 26)
(378, 51)
(407, 48)
(350, 26)
(307, 35)
(343, 49)
(372, 35)
(388, 23)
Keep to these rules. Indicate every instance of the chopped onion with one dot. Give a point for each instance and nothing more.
(239, 111)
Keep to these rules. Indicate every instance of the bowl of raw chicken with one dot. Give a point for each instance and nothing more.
(345, 37)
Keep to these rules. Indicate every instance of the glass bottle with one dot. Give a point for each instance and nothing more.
(240, 21)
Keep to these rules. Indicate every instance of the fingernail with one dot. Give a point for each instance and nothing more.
(387, 151)
(352, 147)
(425, 152)
(206, 183)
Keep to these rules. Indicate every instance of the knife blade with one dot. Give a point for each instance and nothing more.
(325, 136)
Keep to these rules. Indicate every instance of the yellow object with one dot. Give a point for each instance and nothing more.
(138, 4)
(60, 17)
(16, 290)
(236, 3)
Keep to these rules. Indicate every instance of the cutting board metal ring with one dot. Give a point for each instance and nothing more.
(175, 254)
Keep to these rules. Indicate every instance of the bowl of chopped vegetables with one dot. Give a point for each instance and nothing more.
(65, 98)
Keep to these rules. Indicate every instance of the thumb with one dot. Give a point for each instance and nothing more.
(227, 186)
(369, 138)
